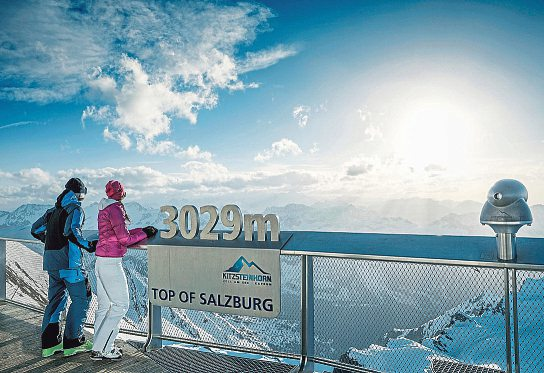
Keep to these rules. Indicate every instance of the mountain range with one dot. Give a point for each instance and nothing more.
(410, 216)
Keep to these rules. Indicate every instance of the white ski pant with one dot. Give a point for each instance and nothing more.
(113, 302)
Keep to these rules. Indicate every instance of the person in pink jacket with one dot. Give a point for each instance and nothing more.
(111, 282)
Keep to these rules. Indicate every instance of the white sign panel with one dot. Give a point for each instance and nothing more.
(225, 280)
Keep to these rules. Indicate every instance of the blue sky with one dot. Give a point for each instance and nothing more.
(266, 103)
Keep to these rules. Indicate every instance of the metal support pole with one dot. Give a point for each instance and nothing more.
(3, 269)
(307, 307)
(507, 321)
(515, 317)
(154, 327)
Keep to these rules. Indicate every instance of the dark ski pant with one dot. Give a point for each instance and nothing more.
(80, 295)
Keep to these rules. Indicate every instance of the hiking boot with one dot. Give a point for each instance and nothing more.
(46, 352)
(114, 354)
(85, 347)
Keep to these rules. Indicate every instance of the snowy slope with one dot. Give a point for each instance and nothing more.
(23, 216)
(471, 333)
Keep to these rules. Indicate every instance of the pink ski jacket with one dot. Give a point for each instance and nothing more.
(113, 235)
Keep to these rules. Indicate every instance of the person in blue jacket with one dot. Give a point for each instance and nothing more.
(60, 229)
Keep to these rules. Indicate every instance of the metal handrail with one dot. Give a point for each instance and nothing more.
(413, 260)
(20, 240)
(307, 356)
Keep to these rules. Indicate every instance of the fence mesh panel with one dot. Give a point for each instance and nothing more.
(384, 316)
(395, 317)
(531, 320)
(135, 265)
(280, 335)
(26, 281)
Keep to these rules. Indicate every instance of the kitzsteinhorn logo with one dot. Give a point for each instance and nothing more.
(239, 273)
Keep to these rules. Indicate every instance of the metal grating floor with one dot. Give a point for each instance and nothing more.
(448, 366)
(177, 360)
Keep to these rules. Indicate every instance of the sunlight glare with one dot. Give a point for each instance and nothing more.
(434, 132)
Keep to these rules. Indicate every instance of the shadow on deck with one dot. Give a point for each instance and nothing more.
(20, 349)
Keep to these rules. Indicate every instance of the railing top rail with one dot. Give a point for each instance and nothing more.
(20, 240)
(454, 250)
(458, 250)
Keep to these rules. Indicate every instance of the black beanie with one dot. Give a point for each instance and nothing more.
(76, 185)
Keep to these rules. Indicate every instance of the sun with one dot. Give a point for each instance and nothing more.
(433, 132)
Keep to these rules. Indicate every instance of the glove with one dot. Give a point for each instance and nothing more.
(39, 236)
(92, 246)
(149, 231)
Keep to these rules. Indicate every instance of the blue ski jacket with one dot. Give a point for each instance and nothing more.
(63, 254)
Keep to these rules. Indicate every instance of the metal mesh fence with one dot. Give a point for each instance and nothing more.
(531, 320)
(135, 265)
(279, 335)
(27, 283)
(395, 317)
(384, 316)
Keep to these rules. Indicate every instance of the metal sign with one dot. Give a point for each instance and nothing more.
(231, 217)
(225, 280)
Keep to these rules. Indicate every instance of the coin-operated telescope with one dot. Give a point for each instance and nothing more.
(506, 211)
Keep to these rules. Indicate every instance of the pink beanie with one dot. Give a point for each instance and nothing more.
(115, 190)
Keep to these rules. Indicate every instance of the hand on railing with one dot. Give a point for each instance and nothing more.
(150, 231)
(92, 246)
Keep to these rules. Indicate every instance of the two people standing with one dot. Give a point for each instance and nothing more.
(60, 229)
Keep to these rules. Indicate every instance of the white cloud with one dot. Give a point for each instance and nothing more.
(121, 138)
(279, 149)
(265, 58)
(302, 114)
(359, 166)
(314, 149)
(166, 147)
(196, 179)
(102, 114)
(32, 185)
(181, 54)
(35, 176)
(371, 179)
(322, 107)
(206, 172)
(434, 169)
(373, 130)
(145, 108)
(194, 152)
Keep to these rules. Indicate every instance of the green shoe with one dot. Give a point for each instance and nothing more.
(46, 352)
(85, 347)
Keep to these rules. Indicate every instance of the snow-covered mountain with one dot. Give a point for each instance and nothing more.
(23, 216)
(345, 218)
(470, 333)
(412, 216)
(16, 224)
